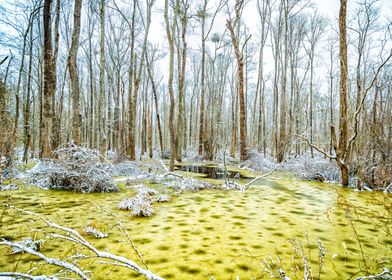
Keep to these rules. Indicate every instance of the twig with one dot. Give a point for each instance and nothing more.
(315, 147)
(246, 186)
(387, 189)
(163, 165)
(386, 272)
(350, 221)
(173, 174)
(119, 223)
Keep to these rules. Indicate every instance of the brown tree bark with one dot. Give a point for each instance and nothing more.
(56, 116)
(49, 84)
(170, 84)
(240, 77)
(342, 152)
(102, 136)
(132, 115)
(282, 117)
(73, 73)
(181, 82)
(149, 131)
(202, 77)
(154, 92)
(26, 115)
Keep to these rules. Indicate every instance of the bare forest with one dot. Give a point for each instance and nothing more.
(142, 122)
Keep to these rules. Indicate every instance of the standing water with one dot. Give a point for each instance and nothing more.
(215, 233)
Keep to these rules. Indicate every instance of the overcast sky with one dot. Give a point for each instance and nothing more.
(157, 35)
(327, 8)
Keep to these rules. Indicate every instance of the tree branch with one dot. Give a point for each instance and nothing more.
(315, 147)
(246, 186)
(53, 261)
(17, 275)
(352, 139)
(73, 236)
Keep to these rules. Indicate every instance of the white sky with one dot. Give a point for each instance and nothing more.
(327, 8)
(157, 35)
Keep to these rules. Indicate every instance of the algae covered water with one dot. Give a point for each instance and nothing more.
(214, 234)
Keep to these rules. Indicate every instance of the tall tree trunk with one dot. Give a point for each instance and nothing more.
(132, 117)
(56, 118)
(342, 152)
(170, 84)
(154, 92)
(102, 136)
(202, 77)
(17, 95)
(73, 73)
(282, 117)
(240, 74)
(181, 82)
(49, 84)
(311, 102)
(149, 130)
(27, 124)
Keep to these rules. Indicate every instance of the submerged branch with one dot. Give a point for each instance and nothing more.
(247, 185)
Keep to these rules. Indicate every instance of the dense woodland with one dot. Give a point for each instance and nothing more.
(289, 82)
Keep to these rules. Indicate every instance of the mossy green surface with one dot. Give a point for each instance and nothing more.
(213, 233)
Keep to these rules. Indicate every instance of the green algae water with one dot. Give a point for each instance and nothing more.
(214, 234)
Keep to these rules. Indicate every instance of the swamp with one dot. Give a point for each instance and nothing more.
(195, 139)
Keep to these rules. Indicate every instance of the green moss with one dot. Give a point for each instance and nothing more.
(163, 248)
(206, 233)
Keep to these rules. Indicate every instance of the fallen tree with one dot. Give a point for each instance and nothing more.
(59, 232)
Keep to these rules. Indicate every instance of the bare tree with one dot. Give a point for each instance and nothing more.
(240, 72)
(49, 84)
(73, 73)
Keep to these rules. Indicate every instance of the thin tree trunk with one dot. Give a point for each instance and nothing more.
(202, 78)
(154, 91)
(102, 137)
(27, 125)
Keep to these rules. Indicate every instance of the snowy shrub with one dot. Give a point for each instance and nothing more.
(9, 188)
(317, 168)
(259, 162)
(126, 168)
(231, 186)
(162, 198)
(89, 230)
(147, 191)
(188, 184)
(313, 169)
(74, 168)
(142, 209)
(139, 205)
(28, 243)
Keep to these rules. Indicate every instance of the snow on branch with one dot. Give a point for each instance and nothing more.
(17, 275)
(73, 236)
(57, 262)
(386, 274)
